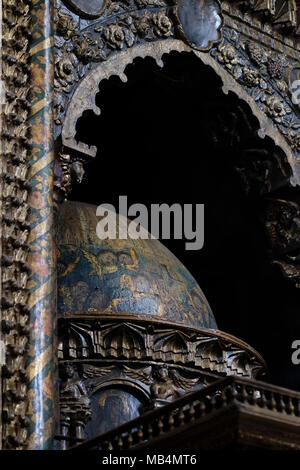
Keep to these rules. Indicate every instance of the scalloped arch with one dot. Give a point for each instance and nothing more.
(84, 96)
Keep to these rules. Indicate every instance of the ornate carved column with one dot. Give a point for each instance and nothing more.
(42, 283)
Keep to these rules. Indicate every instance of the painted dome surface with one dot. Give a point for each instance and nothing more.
(115, 275)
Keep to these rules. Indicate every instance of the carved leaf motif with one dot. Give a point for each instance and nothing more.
(90, 372)
(144, 375)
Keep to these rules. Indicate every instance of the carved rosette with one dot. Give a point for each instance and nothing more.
(15, 134)
(117, 26)
(121, 26)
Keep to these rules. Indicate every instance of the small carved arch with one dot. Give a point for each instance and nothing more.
(123, 341)
(209, 354)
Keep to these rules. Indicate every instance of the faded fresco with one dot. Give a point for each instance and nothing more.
(135, 276)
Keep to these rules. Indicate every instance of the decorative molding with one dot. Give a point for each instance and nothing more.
(157, 360)
(157, 383)
(122, 337)
(81, 101)
(282, 224)
(15, 134)
(265, 77)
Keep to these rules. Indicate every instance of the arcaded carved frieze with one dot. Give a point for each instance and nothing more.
(123, 339)
(265, 76)
(67, 171)
(119, 25)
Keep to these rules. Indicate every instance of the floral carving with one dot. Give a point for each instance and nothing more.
(128, 23)
(297, 142)
(275, 108)
(162, 24)
(251, 77)
(257, 54)
(143, 27)
(262, 73)
(124, 31)
(265, 61)
(116, 36)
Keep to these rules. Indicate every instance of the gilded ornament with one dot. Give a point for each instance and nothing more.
(88, 49)
(275, 68)
(115, 36)
(227, 55)
(297, 142)
(257, 54)
(65, 66)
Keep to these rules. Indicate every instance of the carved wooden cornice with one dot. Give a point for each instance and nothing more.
(103, 337)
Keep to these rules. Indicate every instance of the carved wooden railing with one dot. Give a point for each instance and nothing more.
(193, 406)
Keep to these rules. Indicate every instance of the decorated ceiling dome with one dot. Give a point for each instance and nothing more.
(122, 275)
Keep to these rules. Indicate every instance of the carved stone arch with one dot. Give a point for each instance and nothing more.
(76, 342)
(84, 96)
